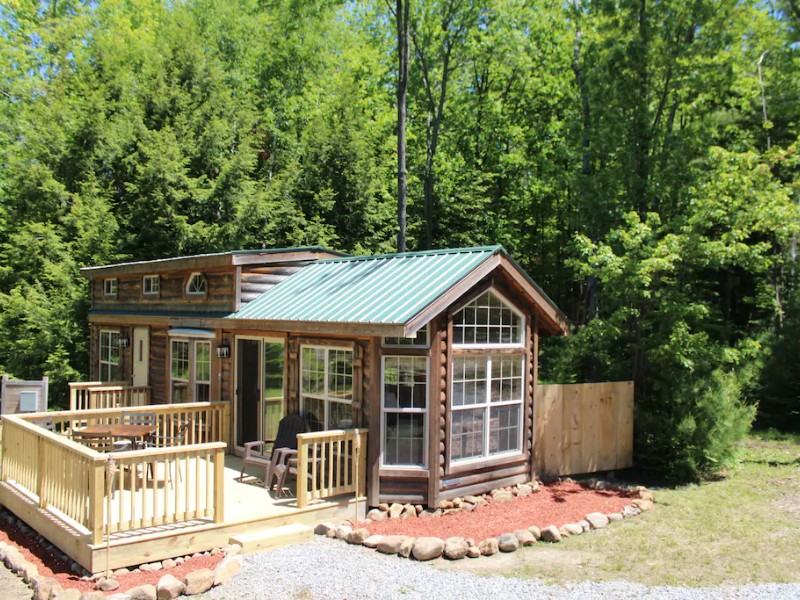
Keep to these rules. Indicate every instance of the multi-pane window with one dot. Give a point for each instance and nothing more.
(487, 405)
(190, 370)
(487, 321)
(109, 356)
(150, 285)
(405, 393)
(418, 340)
(326, 387)
(110, 286)
(197, 285)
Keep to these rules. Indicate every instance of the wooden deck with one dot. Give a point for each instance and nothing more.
(122, 509)
(248, 508)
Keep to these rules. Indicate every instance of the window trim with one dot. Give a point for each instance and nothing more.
(425, 412)
(325, 398)
(490, 346)
(192, 381)
(111, 287)
(427, 329)
(189, 281)
(108, 363)
(487, 408)
(151, 293)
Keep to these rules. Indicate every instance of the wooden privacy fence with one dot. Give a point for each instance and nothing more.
(22, 396)
(92, 395)
(330, 463)
(151, 487)
(583, 427)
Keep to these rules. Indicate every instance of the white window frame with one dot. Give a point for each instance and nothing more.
(325, 397)
(486, 406)
(155, 290)
(110, 287)
(423, 411)
(195, 294)
(192, 381)
(487, 345)
(426, 329)
(113, 335)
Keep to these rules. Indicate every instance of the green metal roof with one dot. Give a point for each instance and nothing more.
(385, 289)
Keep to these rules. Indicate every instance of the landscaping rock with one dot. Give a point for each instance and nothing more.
(372, 541)
(227, 568)
(428, 548)
(524, 489)
(573, 528)
(502, 496)
(630, 511)
(29, 573)
(456, 548)
(597, 520)
(614, 516)
(57, 593)
(525, 537)
(392, 544)
(489, 546)
(408, 511)
(445, 504)
(42, 587)
(419, 508)
(395, 510)
(118, 596)
(142, 592)
(647, 495)
(121, 572)
(107, 585)
(643, 505)
(376, 515)
(342, 531)
(383, 507)
(537, 535)
(585, 524)
(357, 536)
(231, 550)
(14, 560)
(169, 587)
(473, 552)
(93, 595)
(508, 542)
(551, 534)
(198, 581)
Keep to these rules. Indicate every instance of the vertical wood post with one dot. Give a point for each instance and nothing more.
(219, 485)
(41, 467)
(302, 473)
(96, 497)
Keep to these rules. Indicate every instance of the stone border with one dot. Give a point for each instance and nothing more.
(167, 588)
(456, 548)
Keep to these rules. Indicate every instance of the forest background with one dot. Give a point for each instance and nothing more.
(638, 157)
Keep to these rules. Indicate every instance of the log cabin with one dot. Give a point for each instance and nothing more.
(434, 352)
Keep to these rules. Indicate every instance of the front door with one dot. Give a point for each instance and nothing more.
(260, 401)
(141, 357)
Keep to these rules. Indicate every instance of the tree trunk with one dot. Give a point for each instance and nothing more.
(401, 16)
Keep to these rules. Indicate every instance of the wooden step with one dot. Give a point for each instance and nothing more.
(276, 537)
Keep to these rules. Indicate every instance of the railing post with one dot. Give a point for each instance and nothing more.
(96, 497)
(219, 485)
(41, 469)
(302, 472)
(361, 484)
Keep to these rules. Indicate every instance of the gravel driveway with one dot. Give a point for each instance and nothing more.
(331, 570)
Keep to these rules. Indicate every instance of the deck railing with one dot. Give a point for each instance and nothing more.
(150, 487)
(92, 395)
(330, 463)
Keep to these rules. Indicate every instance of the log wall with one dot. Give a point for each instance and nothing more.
(257, 280)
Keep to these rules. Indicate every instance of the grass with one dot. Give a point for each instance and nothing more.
(741, 528)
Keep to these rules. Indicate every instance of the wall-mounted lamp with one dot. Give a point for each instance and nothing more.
(224, 349)
(124, 341)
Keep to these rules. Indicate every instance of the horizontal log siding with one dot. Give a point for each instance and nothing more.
(484, 479)
(159, 366)
(171, 296)
(406, 490)
(257, 280)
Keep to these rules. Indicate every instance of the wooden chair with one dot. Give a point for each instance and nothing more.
(255, 453)
(165, 441)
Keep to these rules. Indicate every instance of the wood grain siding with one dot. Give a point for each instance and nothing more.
(159, 366)
(227, 366)
(257, 280)
(485, 477)
(221, 295)
(94, 353)
(407, 489)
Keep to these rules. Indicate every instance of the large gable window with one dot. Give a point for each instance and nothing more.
(487, 388)
(488, 321)
(326, 387)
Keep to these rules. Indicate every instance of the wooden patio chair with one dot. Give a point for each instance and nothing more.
(255, 453)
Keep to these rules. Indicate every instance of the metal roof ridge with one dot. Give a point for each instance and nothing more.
(474, 249)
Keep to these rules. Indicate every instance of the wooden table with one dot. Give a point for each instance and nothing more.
(118, 430)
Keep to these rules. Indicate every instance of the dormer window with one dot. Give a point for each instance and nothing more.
(150, 285)
(110, 287)
(197, 285)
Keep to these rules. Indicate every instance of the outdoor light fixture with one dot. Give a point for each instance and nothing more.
(124, 341)
(224, 349)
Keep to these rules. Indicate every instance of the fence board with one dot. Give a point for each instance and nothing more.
(583, 428)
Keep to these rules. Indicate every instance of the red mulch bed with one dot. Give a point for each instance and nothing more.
(57, 565)
(556, 504)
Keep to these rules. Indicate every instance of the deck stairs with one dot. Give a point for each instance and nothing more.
(275, 537)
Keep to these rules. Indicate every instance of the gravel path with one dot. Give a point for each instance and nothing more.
(330, 570)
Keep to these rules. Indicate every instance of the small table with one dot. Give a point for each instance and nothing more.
(125, 431)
